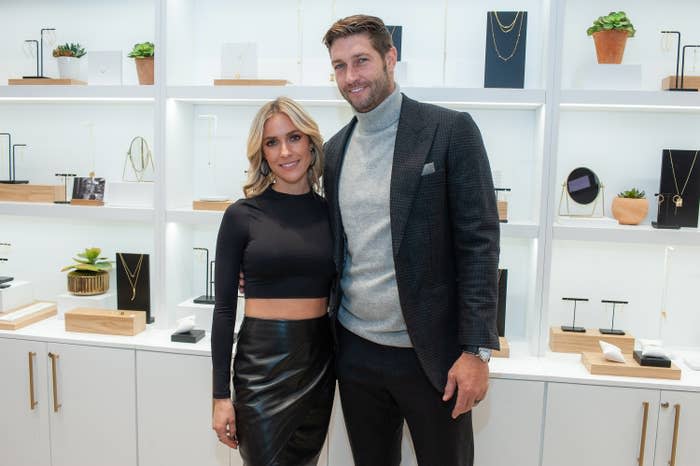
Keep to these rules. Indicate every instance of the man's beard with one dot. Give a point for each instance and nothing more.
(378, 91)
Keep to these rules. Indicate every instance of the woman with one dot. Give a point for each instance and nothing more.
(279, 237)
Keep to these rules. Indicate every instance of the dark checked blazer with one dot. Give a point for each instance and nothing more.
(444, 229)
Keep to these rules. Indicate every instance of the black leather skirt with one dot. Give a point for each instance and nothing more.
(284, 385)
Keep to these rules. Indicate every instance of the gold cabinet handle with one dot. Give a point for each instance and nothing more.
(54, 358)
(32, 400)
(674, 446)
(643, 440)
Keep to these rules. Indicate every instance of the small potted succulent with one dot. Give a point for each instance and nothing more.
(68, 56)
(143, 56)
(610, 35)
(90, 273)
(630, 207)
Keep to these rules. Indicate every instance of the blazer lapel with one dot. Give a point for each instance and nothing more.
(413, 141)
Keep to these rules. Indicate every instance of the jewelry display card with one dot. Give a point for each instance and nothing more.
(396, 32)
(502, 292)
(239, 60)
(680, 181)
(506, 33)
(134, 284)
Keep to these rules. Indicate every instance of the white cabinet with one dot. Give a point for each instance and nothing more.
(510, 415)
(24, 430)
(174, 411)
(93, 415)
(686, 407)
(603, 426)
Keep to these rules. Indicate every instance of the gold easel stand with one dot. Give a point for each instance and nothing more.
(568, 213)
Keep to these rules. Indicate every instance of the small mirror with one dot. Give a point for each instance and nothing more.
(583, 185)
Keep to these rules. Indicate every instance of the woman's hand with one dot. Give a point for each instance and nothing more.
(224, 422)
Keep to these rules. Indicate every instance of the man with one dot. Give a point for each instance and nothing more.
(416, 234)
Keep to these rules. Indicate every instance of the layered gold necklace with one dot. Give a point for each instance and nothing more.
(132, 276)
(506, 29)
(678, 197)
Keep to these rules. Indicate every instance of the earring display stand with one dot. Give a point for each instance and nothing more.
(573, 327)
(572, 342)
(207, 298)
(65, 187)
(612, 330)
(664, 219)
(680, 187)
(12, 175)
(40, 79)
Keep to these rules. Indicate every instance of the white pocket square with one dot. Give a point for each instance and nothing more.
(428, 168)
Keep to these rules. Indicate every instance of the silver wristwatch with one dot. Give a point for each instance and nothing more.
(482, 353)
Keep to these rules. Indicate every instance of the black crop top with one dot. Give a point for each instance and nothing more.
(283, 245)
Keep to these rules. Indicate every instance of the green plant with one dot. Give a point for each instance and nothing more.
(632, 194)
(89, 261)
(69, 50)
(616, 20)
(142, 50)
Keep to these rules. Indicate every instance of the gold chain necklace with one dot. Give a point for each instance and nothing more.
(678, 198)
(517, 40)
(503, 27)
(133, 277)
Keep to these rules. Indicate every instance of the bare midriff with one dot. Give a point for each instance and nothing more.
(286, 309)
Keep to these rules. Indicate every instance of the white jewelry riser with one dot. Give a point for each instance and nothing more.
(129, 194)
(607, 77)
(68, 301)
(18, 294)
(203, 313)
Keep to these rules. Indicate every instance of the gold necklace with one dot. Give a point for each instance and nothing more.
(133, 277)
(678, 198)
(503, 27)
(495, 45)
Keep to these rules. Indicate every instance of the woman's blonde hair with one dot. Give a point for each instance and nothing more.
(259, 180)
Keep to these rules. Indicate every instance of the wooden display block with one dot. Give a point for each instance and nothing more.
(32, 193)
(505, 349)
(250, 82)
(572, 342)
(502, 207)
(45, 82)
(598, 365)
(105, 321)
(211, 205)
(87, 202)
(43, 311)
(692, 82)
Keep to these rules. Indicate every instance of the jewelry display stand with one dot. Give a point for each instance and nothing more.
(204, 312)
(664, 217)
(12, 165)
(680, 176)
(133, 284)
(572, 342)
(506, 33)
(598, 365)
(208, 297)
(583, 188)
(612, 330)
(105, 321)
(573, 327)
(140, 159)
(18, 293)
(679, 83)
(26, 314)
(65, 177)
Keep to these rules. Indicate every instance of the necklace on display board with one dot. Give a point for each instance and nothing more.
(133, 277)
(506, 29)
(678, 197)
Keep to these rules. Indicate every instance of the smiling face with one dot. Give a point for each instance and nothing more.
(288, 152)
(364, 78)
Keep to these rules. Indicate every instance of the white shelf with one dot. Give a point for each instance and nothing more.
(78, 94)
(525, 230)
(105, 213)
(194, 217)
(329, 95)
(635, 101)
(627, 234)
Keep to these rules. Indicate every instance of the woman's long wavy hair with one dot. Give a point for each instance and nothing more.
(258, 181)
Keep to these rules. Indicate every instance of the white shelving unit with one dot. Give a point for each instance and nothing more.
(534, 135)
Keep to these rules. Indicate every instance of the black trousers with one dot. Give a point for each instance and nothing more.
(283, 390)
(380, 386)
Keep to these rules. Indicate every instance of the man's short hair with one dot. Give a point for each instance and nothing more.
(379, 35)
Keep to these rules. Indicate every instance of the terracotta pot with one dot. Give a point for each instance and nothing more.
(83, 284)
(629, 211)
(144, 68)
(610, 46)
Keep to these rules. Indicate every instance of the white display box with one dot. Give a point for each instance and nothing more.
(616, 77)
(105, 68)
(239, 60)
(203, 313)
(18, 294)
(67, 302)
(129, 194)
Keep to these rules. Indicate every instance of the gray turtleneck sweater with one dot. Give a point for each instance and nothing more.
(370, 306)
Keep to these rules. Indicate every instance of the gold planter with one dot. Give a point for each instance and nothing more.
(629, 211)
(82, 284)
